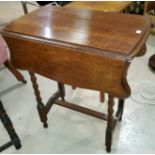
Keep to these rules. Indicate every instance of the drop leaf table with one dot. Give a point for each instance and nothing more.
(84, 48)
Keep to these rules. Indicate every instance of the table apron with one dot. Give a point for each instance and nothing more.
(76, 68)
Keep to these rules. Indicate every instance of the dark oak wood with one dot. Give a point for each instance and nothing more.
(51, 100)
(108, 140)
(44, 109)
(106, 6)
(83, 50)
(81, 109)
(119, 42)
(10, 130)
(102, 96)
(14, 71)
(61, 88)
(120, 45)
(72, 67)
(148, 6)
(7, 62)
(40, 106)
(120, 109)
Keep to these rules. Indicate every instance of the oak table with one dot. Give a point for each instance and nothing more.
(106, 6)
(83, 48)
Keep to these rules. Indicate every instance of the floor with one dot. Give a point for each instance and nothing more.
(69, 131)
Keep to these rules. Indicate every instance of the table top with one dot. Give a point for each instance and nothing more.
(113, 6)
(111, 34)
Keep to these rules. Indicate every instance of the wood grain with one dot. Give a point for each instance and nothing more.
(110, 6)
(78, 47)
(82, 48)
(105, 32)
(69, 66)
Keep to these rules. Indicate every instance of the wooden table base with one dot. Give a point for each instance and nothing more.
(44, 109)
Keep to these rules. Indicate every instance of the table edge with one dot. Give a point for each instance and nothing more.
(72, 46)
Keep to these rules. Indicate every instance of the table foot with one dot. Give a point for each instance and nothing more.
(42, 115)
(16, 142)
(45, 125)
(108, 149)
(108, 139)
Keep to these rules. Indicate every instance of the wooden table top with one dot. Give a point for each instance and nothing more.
(111, 34)
(113, 6)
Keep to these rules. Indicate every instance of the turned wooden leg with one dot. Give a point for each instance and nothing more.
(102, 97)
(10, 130)
(61, 88)
(121, 107)
(40, 106)
(16, 73)
(108, 139)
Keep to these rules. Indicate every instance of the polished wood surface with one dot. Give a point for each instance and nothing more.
(89, 30)
(82, 48)
(112, 6)
(71, 44)
(70, 66)
(106, 6)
